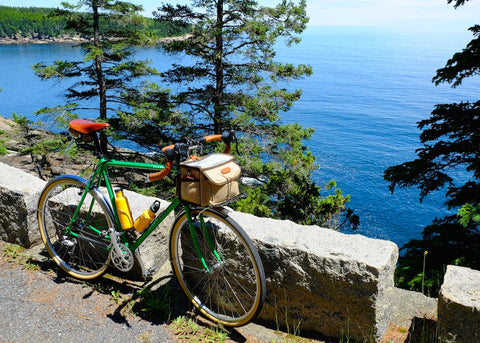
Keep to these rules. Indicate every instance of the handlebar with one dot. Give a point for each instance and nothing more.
(173, 152)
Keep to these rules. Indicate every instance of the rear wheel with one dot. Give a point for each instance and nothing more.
(218, 267)
(77, 244)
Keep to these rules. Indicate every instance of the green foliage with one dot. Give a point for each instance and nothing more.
(31, 21)
(468, 213)
(3, 148)
(16, 254)
(41, 22)
(12, 252)
(447, 242)
(234, 82)
(117, 297)
(188, 330)
(451, 144)
(37, 145)
(108, 71)
(457, 2)
(185, 328)
(157, 303)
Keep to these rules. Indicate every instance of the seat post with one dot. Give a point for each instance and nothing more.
(98, 151)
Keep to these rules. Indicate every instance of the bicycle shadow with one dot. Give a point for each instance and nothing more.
(158, 300)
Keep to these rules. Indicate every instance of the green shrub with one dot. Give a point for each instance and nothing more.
(3, 149)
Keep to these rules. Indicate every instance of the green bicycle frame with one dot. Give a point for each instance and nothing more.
(101, 175)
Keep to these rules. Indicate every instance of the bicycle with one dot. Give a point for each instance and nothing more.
(215, 262)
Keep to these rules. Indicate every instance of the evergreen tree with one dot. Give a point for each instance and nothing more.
(112, 29)
(232, 81)
(451, 144)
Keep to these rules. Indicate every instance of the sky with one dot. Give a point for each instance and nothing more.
(408, 14)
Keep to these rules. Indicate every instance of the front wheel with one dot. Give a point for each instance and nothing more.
(74, 234)
(218, 267)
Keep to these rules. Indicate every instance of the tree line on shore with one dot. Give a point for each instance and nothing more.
(41, 23)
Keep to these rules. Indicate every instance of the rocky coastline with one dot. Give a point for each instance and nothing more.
(64, 39)
(40, 39)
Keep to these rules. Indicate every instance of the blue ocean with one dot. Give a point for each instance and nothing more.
(369, 89)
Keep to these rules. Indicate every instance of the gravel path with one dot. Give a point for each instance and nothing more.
(37, 306)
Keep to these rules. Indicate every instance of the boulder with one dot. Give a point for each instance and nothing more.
(324, 281)
(19, 193)
(459, 306)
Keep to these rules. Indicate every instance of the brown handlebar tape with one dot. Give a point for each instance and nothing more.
(161, 174)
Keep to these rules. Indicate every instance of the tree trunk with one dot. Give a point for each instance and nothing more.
(218, 96)
(102, 92)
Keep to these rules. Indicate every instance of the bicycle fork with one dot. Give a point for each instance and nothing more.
(208, 239)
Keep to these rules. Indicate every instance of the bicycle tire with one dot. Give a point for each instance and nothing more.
(80, 251)
(233, 291)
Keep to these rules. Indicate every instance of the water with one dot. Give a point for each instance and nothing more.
(368, 91)
(22, 91)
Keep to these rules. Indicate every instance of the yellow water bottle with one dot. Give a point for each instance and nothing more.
(146, 217)
(123, 210)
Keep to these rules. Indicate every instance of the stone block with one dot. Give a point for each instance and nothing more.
(322, 280)
(19, 193)
(459, 306)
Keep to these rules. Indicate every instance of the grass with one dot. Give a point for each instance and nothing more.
(12, 252)
(157, 303)
(16, 254)
(423, 330)
(3, 149)
(292, 325)
(187, 330)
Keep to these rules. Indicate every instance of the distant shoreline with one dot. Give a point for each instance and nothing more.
(49, 40)
(19, 40)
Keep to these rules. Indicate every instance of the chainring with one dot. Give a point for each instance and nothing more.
(122, 258)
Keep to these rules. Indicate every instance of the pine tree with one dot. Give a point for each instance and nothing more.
(111, 29)
(232, 81)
